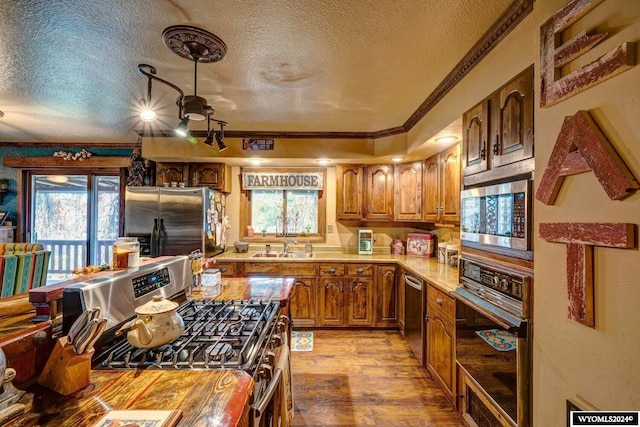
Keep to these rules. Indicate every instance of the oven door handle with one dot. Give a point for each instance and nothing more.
(502, 318)
(261, 406)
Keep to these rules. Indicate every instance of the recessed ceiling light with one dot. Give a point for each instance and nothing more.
(323, 162)
(446, 139)
(255, 162)
(396, 159)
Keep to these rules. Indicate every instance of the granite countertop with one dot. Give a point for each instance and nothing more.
(440, 275)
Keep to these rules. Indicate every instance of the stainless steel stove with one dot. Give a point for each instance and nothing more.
(217, 335)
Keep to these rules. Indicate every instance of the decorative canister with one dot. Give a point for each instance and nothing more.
(442, 252)
(452, 254)
(397, 247)
(126, 253)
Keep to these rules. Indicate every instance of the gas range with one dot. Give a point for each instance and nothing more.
(217, 335)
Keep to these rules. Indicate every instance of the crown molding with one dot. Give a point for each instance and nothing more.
(86, 145)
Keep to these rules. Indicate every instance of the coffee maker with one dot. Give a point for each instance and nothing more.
(365, 242)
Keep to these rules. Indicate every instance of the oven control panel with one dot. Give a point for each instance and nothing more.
(143, 285)
(503, 282)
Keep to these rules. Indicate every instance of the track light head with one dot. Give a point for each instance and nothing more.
(183, 129)
(220, 141)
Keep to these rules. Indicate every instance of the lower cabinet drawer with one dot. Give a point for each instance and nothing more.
(440, 300)
(360, 270)
(298, 269)
(266, 268)
(331, 270)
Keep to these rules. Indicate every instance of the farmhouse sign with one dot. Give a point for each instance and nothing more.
(282, 180)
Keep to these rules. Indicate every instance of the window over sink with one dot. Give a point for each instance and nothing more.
(291, 211)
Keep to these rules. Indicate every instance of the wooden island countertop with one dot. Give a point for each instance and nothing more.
(206, 397)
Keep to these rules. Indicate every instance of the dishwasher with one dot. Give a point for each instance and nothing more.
(413, 315)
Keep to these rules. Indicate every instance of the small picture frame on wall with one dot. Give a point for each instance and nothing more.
(3, 217)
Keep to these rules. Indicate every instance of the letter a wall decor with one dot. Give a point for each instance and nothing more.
(582, 147)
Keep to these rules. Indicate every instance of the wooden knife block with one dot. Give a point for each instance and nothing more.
(66, 372)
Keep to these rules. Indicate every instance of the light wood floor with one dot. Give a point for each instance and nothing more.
(365, 378)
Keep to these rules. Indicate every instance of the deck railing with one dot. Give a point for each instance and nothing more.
(67, 255)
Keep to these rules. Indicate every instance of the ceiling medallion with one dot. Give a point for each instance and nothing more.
(182, 39)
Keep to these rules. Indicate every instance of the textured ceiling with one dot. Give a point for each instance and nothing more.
(68, 68)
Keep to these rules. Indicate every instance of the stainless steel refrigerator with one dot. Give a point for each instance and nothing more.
(175, 220)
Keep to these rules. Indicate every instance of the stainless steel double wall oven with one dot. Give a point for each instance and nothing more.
(494, 305)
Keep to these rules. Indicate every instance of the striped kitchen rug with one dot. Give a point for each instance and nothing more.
(301, 340)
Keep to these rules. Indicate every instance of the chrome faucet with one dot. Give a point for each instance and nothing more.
(288, 242)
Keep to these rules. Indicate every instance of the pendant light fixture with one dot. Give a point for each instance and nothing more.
(199, 46)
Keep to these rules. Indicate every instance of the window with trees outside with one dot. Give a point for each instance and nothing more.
(278, 213)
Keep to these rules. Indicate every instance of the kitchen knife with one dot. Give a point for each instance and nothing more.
(86, 336)
(78, 325)
(102, 325)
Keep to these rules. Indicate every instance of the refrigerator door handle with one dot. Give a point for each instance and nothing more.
(162, 232)
(154, 239)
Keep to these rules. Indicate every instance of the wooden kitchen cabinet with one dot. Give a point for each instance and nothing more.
(262, 269)
(441, 180)
(216, 176)
(331, 301)
(166, 173)
(364, 192)
(475, 138)
(378, 193)
(359, 302)
(303, 294)
(497, 133)
(512, 121)
(441, 340)
(345, 301)
(349, 192)
(386, 296)
(407, 183)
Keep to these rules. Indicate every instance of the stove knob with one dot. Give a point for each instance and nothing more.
(504, 284)
(270, 357)
(496, 281)
(266, 371)
(276, 340)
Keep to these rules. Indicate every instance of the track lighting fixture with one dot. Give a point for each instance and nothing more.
(219, 136)
(196, 45)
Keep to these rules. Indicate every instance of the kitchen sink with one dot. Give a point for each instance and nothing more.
(298, 255)
(266, 255)
(283, 255)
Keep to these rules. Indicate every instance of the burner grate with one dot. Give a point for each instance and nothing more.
(217, 335)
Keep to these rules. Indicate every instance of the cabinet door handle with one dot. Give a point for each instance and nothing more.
(496, 146)
(439, 301)
(331, 271)
(341, 288)
(351, 287)
(360, 270)
(223, 270)
(483, 152)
